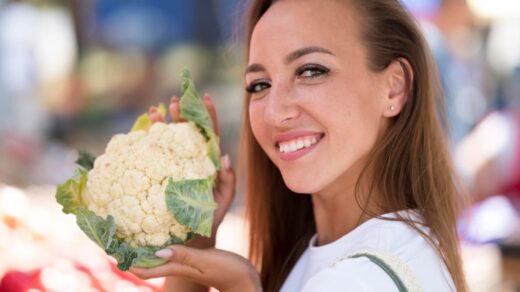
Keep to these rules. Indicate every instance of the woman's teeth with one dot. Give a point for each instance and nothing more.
(297, 144)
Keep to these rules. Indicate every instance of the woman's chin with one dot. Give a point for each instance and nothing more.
(302, 187)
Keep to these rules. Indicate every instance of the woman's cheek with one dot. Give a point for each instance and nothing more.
(256, 121)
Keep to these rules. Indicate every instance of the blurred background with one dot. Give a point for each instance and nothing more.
(74, 73)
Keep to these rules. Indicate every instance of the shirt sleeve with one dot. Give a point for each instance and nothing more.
(356, 274)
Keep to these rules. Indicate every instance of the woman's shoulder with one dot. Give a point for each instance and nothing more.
(396, 239)
(354, 274)
(389, 233)
(373, 270)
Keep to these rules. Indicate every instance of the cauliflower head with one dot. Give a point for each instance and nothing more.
(151, 188)
(129, 180)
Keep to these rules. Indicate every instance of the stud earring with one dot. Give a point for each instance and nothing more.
(392, 108)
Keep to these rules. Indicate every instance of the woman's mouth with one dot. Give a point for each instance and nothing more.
(295, 148)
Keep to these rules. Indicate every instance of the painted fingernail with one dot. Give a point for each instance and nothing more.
(206, 96)
(173, 99)
(226, 163)
(164, 253)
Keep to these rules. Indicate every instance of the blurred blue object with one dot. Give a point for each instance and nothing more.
(491, 221)
(154, 25)
(144, 25)
(422, 8)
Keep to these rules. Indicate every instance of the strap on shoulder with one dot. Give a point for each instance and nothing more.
(394, 267)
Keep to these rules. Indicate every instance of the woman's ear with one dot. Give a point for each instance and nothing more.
(400, 78)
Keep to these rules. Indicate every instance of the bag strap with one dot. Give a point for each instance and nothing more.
(402, 276)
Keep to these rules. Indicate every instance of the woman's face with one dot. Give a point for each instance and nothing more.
(315, 109)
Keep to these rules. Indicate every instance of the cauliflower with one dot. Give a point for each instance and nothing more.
(129, 180)
(152, 187)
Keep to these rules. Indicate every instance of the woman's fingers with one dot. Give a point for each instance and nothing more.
(182, 261)
(225, 188)
(223, 270)
(186, 256)
(175, 110)
(212, 112)
(168, 269)
(154, 115)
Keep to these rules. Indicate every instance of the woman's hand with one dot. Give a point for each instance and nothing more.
(225, 271)
(224, 190)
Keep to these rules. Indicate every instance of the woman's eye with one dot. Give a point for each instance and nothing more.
(257, 87)
(311, 71)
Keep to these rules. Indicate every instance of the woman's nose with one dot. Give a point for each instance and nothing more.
(281, 105)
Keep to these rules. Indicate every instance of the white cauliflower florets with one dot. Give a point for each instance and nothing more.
(129, 180)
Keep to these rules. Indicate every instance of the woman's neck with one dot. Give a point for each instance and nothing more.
(336, 210)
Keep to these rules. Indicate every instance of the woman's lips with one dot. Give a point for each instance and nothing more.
(293, 155)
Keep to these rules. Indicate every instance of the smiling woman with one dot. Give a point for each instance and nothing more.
(349, 182)
(345, 149)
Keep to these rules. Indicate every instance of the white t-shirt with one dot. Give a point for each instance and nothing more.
(313, 273)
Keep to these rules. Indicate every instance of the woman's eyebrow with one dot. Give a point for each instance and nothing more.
(305, 51)
(255, 67)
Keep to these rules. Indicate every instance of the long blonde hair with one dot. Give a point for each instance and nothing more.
(411, 161)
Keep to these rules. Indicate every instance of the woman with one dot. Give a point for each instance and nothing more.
(347, 163)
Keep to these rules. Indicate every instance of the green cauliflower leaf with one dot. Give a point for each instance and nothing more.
(99, 230)
(123, 253)
(69, 193)
(192, 108)
(141, 257)
(191, 203)
(85, 159)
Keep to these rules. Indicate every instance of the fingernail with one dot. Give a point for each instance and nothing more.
(164, 253)
(226, 163)
(173, 99)
(206, 96)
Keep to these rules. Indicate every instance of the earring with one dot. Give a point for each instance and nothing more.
(392, 108)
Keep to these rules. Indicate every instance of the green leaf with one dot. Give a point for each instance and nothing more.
(69, 194)
(99, 230)
(123, 253)
(192, 108)
(191, 203)
(141, 257)
(143, 122)
(85, 159)
(214, 150)
(162, 110)
(146, 257)
(176, 240)
(190, 236)
(102, 232)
